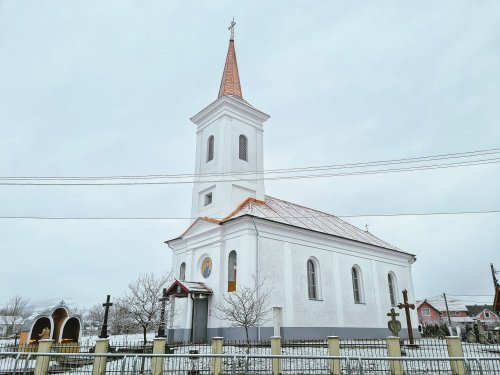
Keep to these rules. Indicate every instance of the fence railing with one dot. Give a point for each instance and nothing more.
(424, 356)
(191, 364)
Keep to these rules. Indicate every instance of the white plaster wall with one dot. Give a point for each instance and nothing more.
(226, 125)
(283, 255)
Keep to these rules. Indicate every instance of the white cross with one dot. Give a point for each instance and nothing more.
(232, 28)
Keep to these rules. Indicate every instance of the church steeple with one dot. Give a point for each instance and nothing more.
(230, 83)
(229, 148)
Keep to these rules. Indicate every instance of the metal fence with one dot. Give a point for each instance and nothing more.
(191, 364)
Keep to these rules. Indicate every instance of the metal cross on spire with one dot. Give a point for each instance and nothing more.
(231, 27)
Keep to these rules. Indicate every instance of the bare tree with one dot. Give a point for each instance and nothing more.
(14, 312)
(121, 322)
(94, 317)
(246, 307)
(141, 301)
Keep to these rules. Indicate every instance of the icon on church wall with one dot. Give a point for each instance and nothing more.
(206, 267)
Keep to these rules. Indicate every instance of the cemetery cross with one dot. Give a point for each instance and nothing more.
(104, 329)
(394, 325)
(407, 306)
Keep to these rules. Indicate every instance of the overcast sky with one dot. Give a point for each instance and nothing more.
(96, 88)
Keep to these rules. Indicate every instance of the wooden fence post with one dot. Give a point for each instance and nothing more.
(394, 350)
(217, 348)
(157, 362)
(101, 347)
(455, 350)
(276, 350)
(334, 351)
(42, 361)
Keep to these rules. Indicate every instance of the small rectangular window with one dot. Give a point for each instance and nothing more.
(208, 199)
(426, 312)
(487, 315)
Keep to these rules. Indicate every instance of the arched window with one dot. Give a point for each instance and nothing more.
(210, 148)
(182, 272)
(312, 280)
(391, 279)
(243, 148)
(231, 272)
(357, 285)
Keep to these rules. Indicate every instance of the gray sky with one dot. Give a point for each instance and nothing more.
(90, 88)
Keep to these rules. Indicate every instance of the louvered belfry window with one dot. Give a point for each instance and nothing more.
(210, 148)
(311, 280)
(243, 154)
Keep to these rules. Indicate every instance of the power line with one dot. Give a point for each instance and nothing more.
(268, 217)
(324, 175)
(437, 157)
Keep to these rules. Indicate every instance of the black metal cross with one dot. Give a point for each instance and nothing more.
(161, 328)
(407, 306)
(104, 329)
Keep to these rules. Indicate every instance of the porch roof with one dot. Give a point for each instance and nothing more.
(183, 288)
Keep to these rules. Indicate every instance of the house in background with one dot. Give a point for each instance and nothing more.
(427, 312)
(484, 313)
(433, 310)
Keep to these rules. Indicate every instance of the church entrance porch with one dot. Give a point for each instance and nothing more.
(196, 326)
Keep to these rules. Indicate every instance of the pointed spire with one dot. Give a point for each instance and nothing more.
(230, 83)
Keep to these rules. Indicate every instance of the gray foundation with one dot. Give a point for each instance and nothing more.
(289, 333)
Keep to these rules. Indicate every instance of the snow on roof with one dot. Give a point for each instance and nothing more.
(293, 214)
(461, 319)
(196, 287)
(453, 304)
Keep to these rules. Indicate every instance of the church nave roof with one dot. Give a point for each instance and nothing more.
(281, 211)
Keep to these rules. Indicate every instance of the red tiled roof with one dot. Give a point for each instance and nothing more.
(230, 83)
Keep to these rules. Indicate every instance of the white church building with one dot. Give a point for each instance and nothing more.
(325, 276)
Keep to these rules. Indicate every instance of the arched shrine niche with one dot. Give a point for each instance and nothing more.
(38, 326)
(70, 331)
(59, 315)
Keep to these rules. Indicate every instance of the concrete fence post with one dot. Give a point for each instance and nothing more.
(42, 361)
(334, 351)
(394, 350)
(157, 362)
(276, 350)
(101, 347)
(217, 348)
(455, 350)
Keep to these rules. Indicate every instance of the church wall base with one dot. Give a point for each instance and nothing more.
(289, 333)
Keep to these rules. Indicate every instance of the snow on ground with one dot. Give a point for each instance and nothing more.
(427, 348)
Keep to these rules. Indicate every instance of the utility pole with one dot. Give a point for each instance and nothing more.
(447, 310)
(494, 275)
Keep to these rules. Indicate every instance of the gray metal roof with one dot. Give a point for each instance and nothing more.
(293, 214)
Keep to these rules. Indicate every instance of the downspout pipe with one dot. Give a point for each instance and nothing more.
(257, 282)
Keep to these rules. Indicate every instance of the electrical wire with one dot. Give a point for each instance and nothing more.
(267, 217)
(359, 173)
(438, 157)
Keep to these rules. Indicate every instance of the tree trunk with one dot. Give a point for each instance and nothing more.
(248, 340)
(143, 348)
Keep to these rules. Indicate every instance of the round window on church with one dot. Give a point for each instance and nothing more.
(206, 267)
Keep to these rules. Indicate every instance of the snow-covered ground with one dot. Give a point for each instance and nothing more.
(427, 348)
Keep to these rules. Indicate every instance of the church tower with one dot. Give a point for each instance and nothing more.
(229, 150)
